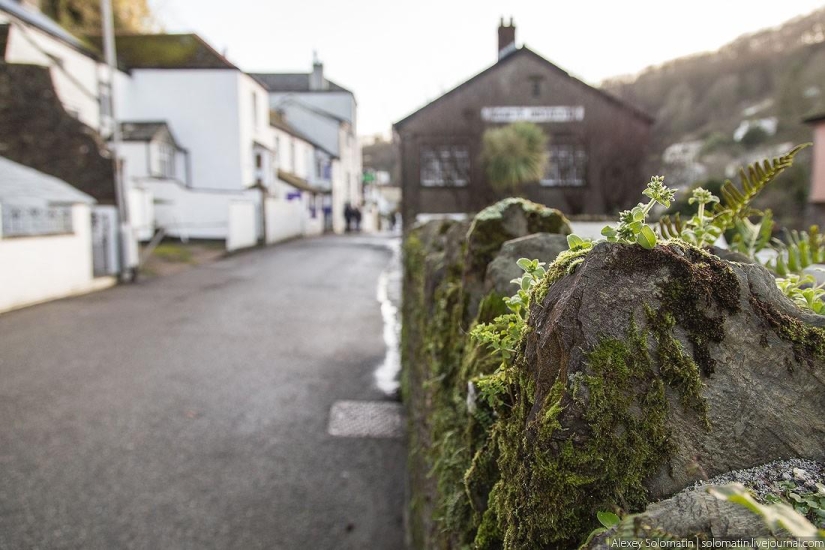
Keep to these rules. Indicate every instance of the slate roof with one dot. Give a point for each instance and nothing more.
(522, 51)
(276, 120)
(165, 51)
(42, 22)
(20, 183)
(143, 131)
(292, 82)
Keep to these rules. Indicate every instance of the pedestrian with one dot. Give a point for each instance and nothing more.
(348, 215)
(356, 213)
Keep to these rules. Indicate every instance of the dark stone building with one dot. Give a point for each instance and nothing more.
(596, 143)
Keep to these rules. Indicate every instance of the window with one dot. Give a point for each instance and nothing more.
(166, 160)
(535, 85)
(259, 160)
(445, 165)
(254, 110)
(566, 165)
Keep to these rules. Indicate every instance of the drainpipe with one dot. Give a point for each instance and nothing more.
(126, 238)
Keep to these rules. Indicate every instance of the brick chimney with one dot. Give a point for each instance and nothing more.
(506, 38)
(317, 82)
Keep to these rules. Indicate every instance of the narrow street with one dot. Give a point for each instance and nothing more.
(192, 411)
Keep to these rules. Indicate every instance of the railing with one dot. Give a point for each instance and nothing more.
(30, 221)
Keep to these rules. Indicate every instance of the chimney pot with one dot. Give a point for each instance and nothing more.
(506, 38)
(317, 82)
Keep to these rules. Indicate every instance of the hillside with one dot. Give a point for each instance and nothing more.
(719, 109)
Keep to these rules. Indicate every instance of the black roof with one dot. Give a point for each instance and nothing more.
(165, 51)
(143, 131)
(276, 120)
(524, 50)
(293, 82)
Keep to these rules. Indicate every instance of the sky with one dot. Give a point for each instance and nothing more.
(398, 56)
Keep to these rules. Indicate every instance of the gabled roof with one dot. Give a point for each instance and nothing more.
(20, 184)
(165, 51)
(300, 183)
(276, 120)
(42, 22)
(144, 131)
(293, 82)
(521, 52)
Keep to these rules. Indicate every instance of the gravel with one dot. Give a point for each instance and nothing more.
(766, 479)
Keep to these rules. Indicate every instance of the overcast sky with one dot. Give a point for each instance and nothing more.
(397, 56)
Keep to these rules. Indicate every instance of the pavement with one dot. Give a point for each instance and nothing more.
(192, 411)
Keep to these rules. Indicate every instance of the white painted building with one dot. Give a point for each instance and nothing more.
(45, 238)
(327, 114)
(80, 79)
(198, 136)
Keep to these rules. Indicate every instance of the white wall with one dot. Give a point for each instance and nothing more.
(141, 212)
(242, 225)
(75, 79)
(191, 213)
(253, 124)
(36, 269)
(284, 219)
(201, 108)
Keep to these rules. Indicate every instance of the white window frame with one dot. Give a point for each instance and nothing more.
(444, 165)
(566, 165)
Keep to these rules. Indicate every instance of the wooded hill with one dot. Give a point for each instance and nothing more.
(700, 100)
(773, 72)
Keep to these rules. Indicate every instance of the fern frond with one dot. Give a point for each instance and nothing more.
(735, 202)
(670, 228)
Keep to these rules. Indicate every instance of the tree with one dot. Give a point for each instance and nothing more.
(82, 17)
(514, 155)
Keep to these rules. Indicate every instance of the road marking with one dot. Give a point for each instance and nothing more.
(366, 419)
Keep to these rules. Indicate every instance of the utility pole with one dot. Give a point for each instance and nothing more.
(126, 238)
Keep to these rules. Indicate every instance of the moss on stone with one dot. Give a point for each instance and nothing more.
(505, 220)
(550, 485)
(700, 284)
(808, 342)
(676, 367)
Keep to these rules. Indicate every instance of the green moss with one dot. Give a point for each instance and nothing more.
(700, 292)
(563, 265)
(550, 485)
(676, 367)
(490, 228)
(808, 342)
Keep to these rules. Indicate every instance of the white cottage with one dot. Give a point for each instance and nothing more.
(327, 113)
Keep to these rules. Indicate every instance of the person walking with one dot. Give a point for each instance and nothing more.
(348, 215)
(356, 214)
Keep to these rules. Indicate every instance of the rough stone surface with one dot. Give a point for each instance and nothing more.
(503, 221)
(693, 512)
(688, 514)
(503, 268)
(764, 396)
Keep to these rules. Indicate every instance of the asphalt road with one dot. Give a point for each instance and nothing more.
(191, 411)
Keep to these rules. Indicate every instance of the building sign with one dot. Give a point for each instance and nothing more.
(556, 113)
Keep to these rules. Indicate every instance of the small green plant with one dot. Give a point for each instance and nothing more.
(777, 515)
(632, 228)
(801, 249)
(804, 291)
(810, 504)
(503, 334)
